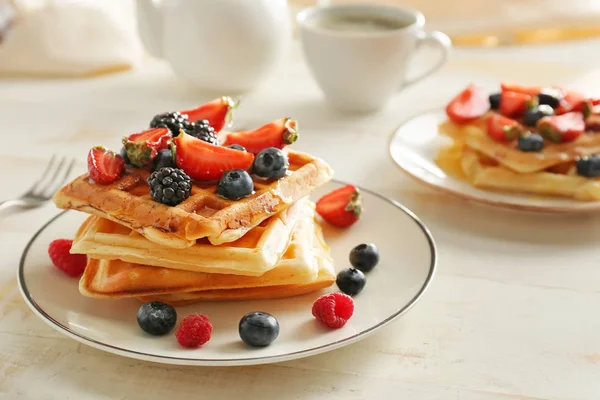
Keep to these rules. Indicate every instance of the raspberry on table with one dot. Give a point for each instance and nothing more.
(333, 309)
(194, 331)
(71, 264)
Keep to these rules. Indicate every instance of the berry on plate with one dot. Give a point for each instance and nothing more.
(589, 166)
(514, 104)
(562, 128)
(502, 129)
(530, 142)
(235, 185)
(333, 309)
(275, 134)
(173, 121)
(258, 329)
(351, 281)
(207, 162)
(71, 264)
(270, 163)
(156, 318)
(572, 101)
(341, 207)
(468, 105)
(364, 257)
(104, 166)
(170, 186)
(194, 331)
(142, 147)
(164, 158)
(218, 112)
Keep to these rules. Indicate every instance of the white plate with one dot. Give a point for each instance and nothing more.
(415, 145)
(408, 260)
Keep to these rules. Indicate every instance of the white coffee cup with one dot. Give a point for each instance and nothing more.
(360, 69)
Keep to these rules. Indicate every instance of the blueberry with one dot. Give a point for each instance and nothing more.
(351, 281)
(237, 147)
(589, 166)
(156, 318)
(164, 158)
(123, 154)
(550, 97)
(495, 100)
(533, 115)
(270, 163)
(531, 142)
(364, 257)
(258, 329)
(235, 184)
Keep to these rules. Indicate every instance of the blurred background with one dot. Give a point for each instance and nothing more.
(89, 37)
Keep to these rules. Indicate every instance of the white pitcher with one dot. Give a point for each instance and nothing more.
(225, 46)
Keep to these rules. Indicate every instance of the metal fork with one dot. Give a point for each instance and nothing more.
(55, 175)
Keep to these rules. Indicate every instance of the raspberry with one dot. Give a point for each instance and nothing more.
(194, 331)
(71, 264)
(333, 309)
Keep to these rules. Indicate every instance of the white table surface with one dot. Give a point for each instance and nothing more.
(512, 313)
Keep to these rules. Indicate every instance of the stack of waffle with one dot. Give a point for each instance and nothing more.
(267, 245)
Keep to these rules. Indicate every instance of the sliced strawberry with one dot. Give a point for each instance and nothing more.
(218, 112)
(561, 128)
(275, 134)
(342, 207)
(142, 147)
(514, 104)
(468, 105)
(513, 87)
(595, 101)
(207, 162)
(572, 101)
(104, 165)
(503, 129)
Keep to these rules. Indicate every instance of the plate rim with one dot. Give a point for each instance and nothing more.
(584, 208)
(49, 320)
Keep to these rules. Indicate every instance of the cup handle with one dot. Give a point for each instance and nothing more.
(435, 38)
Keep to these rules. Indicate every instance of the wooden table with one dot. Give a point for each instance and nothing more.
(512, 314)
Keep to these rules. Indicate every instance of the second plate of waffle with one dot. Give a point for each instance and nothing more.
(280, 266)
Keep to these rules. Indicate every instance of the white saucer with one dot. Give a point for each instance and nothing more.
(408, 261)
(415, 145)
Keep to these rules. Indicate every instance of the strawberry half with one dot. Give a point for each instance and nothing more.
(218, 112)
(562, 128)
(104, 166)
(342, 207)
(144, 146)
(468, 105)
(572, 101)
(275, 134)
(514, 104)
(513, 87)
(207, 162)
(503, 129)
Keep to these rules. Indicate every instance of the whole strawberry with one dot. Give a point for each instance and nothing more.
(71, 264)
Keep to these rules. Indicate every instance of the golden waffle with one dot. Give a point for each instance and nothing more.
(127, 201)
(475, 136)
(460, 161)
(306, 264)
(253, 254)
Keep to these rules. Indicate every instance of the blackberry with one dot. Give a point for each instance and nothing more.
(174, 121)
(170, 186)
(202, 130)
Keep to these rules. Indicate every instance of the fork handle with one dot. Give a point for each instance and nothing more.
(12, 203)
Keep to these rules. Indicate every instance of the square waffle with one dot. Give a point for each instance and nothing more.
(253, 254)
(127, 201)
(305, 266)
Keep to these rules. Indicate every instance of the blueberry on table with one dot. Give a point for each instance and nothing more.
(351, 281)
(156, 318)
(235, 184)
(364, 257)
(495, 100)
(533, 115)
(531, 142)
(270, 163)
(589, 166)
(258, 329)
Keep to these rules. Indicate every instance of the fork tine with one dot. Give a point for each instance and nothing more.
(61, 181)
(52, 178)
(37, 183)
